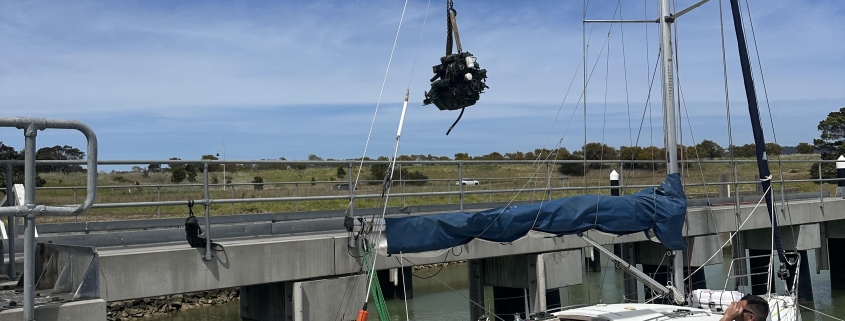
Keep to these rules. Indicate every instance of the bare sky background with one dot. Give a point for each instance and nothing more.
(160, 79)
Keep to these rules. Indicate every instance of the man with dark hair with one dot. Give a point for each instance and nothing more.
(749, 308)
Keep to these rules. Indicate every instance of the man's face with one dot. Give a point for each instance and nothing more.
(746, 315)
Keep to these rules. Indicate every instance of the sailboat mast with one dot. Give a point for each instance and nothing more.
(669, 122)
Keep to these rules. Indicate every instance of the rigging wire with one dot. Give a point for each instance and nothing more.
(592, 71)
(819, 312)
(732, 235)
(459, 293)
(378, 102)
(784, 200)
(733, 163)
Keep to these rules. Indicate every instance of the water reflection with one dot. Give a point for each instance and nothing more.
(445, 296)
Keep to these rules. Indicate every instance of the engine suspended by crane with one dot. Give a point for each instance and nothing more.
(458, 80)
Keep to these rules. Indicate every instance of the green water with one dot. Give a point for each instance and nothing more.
(445, 297)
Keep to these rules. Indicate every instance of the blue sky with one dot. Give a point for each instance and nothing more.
(160, 79)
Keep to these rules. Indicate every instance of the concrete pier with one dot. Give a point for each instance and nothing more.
(837, 264)
(265, 302)
(93, 310)
(397, 283)
(592, 259)
(522, 283)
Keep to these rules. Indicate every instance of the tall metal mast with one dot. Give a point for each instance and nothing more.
(669, 130)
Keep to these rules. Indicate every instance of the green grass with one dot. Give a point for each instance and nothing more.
(121, 187)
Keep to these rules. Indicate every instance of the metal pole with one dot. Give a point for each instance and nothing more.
(840, 174)
(297, 195)
(461, 185)
(224, 165)
(29, 225)
(207, 204)
(549, 181)
(158, 199)
(404, 190)
(12, 222)
(233, 197)
(449, 189)
(490, 188)
(669, 119)
(351, 210)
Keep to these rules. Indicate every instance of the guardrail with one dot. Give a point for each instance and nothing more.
(545, 184)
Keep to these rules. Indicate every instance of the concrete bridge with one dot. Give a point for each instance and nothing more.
(302, 264)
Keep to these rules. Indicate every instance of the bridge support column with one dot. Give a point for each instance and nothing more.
(794, 238)
(837, 264)
(476, 289)
(592, 259)
(628, 252)
(835, 235)
(655, 261)
(523, 281)
(265, 302)
(391, 282)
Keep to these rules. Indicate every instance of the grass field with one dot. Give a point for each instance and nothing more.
(120, 187)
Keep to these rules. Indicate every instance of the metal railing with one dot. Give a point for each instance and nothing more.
(30, 210)
(305, 191)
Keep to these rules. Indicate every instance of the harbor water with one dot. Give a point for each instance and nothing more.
(445, 296)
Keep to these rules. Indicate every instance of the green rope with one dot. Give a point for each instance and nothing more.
(378, 296)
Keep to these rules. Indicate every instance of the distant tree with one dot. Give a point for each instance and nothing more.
(515, 156)
(258, 180)
(315, 158)
(177, 175)
(177, 171)
(773, 149)
(155, 168)
(493, 156)
(59, 153)
(805, 148)
(599, 151)
(572, 169)
(191, 171)
(831, 143)
(461, 156)
(136, 169)
(744, 151)
(706, 148)
(213, 167)
(341, 172)
(9, 153)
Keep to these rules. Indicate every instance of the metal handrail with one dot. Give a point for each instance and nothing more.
(30, 127)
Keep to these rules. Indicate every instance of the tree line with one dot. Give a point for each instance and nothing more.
(46, 153)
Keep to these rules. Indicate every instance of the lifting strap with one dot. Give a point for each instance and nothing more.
(452, 26)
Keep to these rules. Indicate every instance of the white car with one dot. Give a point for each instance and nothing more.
(466, 182)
